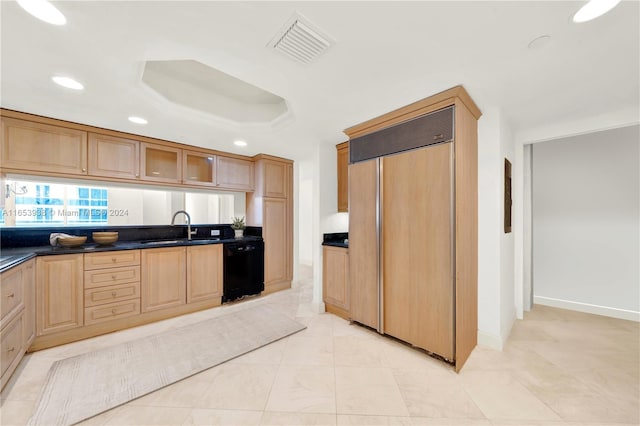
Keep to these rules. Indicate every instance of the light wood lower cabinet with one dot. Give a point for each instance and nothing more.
(204, 273)
(163, 278)
(29, 299)
(275, 246)
(12, 348)
(59, 293)
(335, 280)
(17, 320)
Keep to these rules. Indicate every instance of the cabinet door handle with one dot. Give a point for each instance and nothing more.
(113, 294)
(438, 136)
(113, 259)
(10, 295)
(113, 277)
(11, 349)
(113, 311)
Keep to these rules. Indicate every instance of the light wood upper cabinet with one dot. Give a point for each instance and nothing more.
(59, 293)
(163, 278)
(275, 179)
(234, 173)
(198, 168)
(113, 157)
(43, 148)
(160, 163)
(204, 272)
(335, 276)
(343, 176)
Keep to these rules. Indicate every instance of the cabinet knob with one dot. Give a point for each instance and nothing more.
(10, 295)
(113, 277)
(113, 311)
(84, 170)
(113, 259)
(438, 136)
(137, 175)
(113, 294)
(11, 349)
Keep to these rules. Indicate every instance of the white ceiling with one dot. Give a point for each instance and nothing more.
(386, 55)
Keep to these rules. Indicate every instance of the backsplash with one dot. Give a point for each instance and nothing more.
(39, 236)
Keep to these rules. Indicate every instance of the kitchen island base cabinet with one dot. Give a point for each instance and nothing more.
(59, 293)
(335, 280)
(163, 278)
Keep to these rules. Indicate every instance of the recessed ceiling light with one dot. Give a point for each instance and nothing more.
(44, 11)
(594, 9)
(137, 120)
(67, 82)
(240, 143)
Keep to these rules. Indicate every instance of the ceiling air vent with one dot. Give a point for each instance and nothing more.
(301, 41)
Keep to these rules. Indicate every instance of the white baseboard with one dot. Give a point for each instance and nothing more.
(490, 341)
(588, 308)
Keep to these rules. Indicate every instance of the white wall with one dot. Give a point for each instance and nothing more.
(305, 213)
(586, 222)
(496, 299)
(507, 240)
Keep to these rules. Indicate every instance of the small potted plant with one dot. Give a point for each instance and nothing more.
(238, 226)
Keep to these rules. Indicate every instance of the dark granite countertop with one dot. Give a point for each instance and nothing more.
(10, 257)
(336, 239)
(8, 261)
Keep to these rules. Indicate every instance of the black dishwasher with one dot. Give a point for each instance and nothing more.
(243, 269)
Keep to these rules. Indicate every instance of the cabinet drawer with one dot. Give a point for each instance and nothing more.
(110, 294)
(110, 259)
(11, 344)
(111, 276)
(111, 311)
(11, 293)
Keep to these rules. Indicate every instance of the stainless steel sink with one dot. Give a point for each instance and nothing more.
(184, 240)
(157, 242)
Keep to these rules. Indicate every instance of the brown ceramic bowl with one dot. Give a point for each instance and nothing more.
(71, 241)
(105, 237)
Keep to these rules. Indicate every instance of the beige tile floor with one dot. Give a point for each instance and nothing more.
(558, 368)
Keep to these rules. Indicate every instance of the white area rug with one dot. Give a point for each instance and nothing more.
(85, 385)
